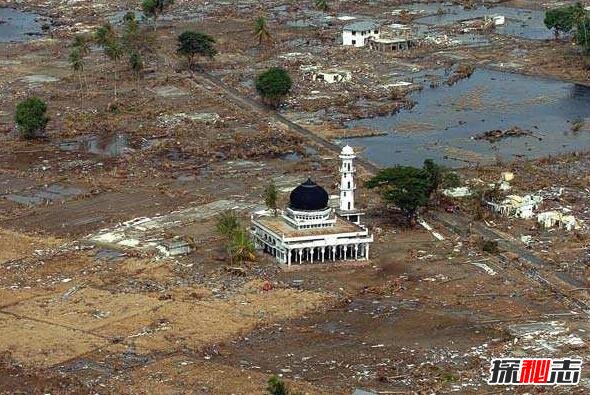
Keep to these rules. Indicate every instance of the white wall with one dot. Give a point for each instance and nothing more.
(359, 39)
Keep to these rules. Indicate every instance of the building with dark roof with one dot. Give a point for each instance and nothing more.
(309, 230)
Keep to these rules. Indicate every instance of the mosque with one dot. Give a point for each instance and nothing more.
(309, 230)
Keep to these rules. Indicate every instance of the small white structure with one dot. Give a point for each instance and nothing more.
(517, 206)
(356, 34)
(458, 192)
(309, 230)
(174, 247)
(550, 219)
(507, 176)
(333, 75)
(498, 20)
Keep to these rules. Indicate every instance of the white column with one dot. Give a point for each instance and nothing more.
(300, 253)
(311, 254)
(333, 253)
(367, 251)
(347, 186)
(323, 252)
(356, 252)
(288, 257)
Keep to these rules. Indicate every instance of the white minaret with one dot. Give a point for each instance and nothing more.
(347, 186)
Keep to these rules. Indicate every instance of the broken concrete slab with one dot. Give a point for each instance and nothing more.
(170, 91)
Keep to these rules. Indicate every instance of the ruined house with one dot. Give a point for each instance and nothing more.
(517, 206)
(550, 219)
(396, 38)
(332, 75)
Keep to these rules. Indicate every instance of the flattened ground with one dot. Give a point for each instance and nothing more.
(43, 344)
(198, 324)
(86, 309)
(183, 375)
(15, 245)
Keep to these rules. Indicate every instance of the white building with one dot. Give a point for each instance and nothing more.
(332, 75)
(517, 206)
(357, 34)
(309, 230)
(550, 219)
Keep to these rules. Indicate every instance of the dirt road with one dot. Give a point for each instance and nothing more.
(252, 105)
(459, 225)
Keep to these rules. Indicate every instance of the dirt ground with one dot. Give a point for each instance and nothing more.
(176, 148)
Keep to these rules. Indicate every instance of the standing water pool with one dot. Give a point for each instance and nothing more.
(18, 26)
(444, 121)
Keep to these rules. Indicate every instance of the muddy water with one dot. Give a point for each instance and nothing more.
(17, 26)
(445, 120)
(519, 22)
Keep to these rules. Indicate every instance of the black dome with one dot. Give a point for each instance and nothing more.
(308, 197)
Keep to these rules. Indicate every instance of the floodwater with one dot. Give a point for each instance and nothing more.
(18, 26)
(519, 22)
(445, 119)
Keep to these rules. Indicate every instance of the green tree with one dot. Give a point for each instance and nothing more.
(276, 386)
(560, 20)
(136, 63)
(322, 5)
(440, 176)
(77, 63)
(104, 34)
(435, 175)
(155, 8)
(81, 41)
(241, 246)
(581, 23)
(192, 44)
(405, 186)
(130, 29)
(273, 84)
(261, 30)
(79, 49)
(227, 224)
(271, 197)
(31, 117)
(107, 38)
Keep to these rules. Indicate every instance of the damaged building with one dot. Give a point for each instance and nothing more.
(394, 39)
(331, 76)
(517, 206)
(552, 219)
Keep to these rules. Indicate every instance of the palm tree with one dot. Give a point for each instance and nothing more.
(79, 50)
(227, 224)
(114, 51)
(81, 42)
(261, 30)
(322, 4)
(107, 38)
(242, 247)
(77, 63)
